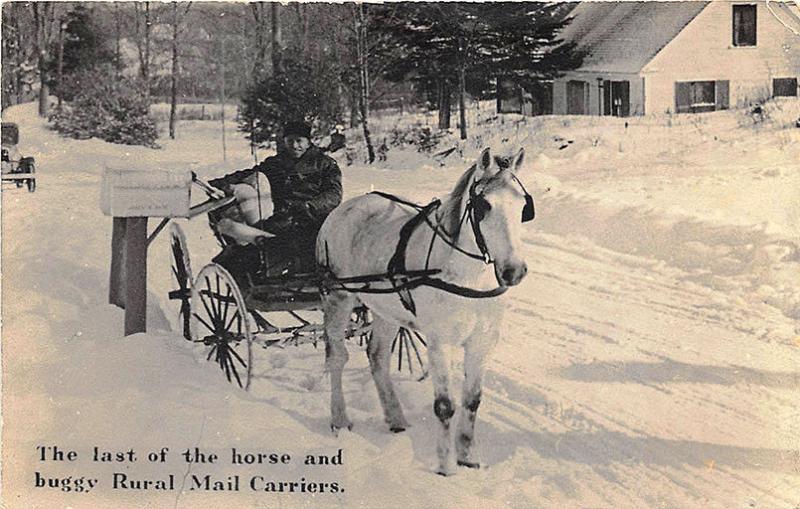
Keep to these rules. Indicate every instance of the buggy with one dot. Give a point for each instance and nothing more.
(229, 313)
(15, 168)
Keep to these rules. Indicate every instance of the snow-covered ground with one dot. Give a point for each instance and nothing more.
(650, 359)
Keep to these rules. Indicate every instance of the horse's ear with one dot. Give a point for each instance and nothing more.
(484, 161)
(518, 159)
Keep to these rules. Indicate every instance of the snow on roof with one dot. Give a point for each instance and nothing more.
(625, 36)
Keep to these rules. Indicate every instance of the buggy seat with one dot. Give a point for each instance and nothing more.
(249, 253)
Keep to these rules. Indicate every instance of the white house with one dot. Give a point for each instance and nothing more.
(656, 57)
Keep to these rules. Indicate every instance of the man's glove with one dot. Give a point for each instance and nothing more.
(277, 224)
(222, 185)
(301, 211)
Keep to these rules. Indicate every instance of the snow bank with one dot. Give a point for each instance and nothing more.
(600, 394)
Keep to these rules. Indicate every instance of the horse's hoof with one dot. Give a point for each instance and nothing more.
(397, 429)
(445, 472)
(469, 464)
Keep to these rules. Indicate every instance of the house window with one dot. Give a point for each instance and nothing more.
(784, 87)
(700, 96)
(744, 25)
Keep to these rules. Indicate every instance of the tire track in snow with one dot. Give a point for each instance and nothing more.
(650, 292)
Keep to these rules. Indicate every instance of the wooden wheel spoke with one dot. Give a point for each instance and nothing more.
(227, 305)
(408, 339)
(210, 328)
(233, 317)
(211, 298)
(416, 350)
(238, 357)
(400, 340)
(209, 313)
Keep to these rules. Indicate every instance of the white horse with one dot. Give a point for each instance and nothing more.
(476, 228)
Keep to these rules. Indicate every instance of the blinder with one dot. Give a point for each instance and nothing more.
(528, 211)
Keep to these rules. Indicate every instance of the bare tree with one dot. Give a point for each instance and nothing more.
(277, 48)
(260, 17)
(177, 18)
(363, 75)
(44, 14)
(117, 38)
(142, 29)
(60, 69)
(19, 50)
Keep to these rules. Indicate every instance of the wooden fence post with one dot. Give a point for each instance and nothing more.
(135, 275)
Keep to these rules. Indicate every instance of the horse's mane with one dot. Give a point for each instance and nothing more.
(452, 208)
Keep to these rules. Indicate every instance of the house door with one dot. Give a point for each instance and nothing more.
(577, 97)
(617, 98)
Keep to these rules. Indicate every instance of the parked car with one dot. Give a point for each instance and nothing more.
(16, 168)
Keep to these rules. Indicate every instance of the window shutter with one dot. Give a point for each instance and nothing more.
(683, 97)
(722, 98)
(626, 98)
(607, 97)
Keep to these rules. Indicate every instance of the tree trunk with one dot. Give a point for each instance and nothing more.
(147, 47)
(354, 114)
(44, 88)
(444, 104)
(306, 24)
(277, 50)
(222, 97)
(117, 39)
(173, 92)
(41, 14)
(61, 28)
(363, 96)
(461, 99)
(260, 18)
(18, 78)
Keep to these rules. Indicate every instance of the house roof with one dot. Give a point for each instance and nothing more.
(624, 36)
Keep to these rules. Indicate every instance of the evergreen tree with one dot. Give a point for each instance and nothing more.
(84, 48)
(299, 91)
(468, 46)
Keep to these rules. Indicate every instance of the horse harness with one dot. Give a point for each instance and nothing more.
(476, 208)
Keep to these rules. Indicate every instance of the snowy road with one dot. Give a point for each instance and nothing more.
(629, 374)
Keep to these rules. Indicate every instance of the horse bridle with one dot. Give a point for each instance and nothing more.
(475, 210)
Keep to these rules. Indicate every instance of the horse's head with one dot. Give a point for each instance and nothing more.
(496, 204)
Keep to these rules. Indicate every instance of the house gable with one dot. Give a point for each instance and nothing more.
(622, 37)
(705, 50)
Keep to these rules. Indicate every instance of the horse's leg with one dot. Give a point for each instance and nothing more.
(442, 404)
(338, 307)
(476, 353)
(379, 351)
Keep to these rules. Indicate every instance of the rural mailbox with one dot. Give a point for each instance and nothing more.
(132, 196)
(145, 193)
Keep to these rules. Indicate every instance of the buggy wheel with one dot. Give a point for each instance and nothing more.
(220, 322)
(181, 278)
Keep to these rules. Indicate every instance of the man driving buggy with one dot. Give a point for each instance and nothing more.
(306, 185)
